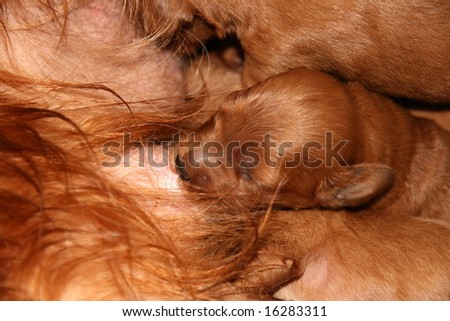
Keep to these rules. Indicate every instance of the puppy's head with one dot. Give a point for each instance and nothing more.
(292, 141)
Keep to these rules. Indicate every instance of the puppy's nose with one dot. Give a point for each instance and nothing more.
(181, 169)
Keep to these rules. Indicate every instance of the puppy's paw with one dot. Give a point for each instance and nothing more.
(269, 272)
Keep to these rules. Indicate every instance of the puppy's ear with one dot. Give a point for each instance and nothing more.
(354, 185)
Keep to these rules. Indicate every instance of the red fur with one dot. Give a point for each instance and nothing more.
(398, 48)
(75, 75)
(386, 157)
(345, 256)
(69, 227)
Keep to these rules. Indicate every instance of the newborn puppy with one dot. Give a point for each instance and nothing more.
(303, 139)
(342, 256)
(397, 48)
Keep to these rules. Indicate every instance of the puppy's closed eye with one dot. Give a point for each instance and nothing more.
(246, 176)
(245, 167)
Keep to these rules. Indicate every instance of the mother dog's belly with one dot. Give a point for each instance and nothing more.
(94, 44)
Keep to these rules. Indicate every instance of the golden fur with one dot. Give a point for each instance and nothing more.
(75, 75)
(398, 48)
(363, 149)
(350, 256)
(69, 228)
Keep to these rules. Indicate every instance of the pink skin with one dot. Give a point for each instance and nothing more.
(157, 189)
(99, 47)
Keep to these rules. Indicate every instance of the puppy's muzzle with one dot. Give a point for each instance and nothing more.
(181, 169)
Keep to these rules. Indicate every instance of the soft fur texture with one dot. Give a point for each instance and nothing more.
(76, 76)
(343, 256)
(375, 154)
(398, 48)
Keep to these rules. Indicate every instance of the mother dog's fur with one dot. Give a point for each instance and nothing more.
(74, 76)
(398, 48)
